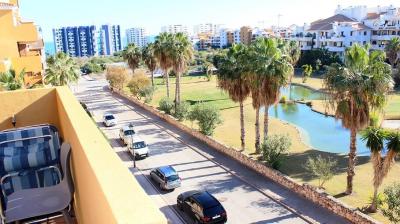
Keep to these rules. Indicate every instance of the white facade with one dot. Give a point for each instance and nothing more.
(208, 28)
(137, 35)
(175, 29)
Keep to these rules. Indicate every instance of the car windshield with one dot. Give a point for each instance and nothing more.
(129, 132)
(213, 211)
(139, 145)
(109, 117)
(172, 178)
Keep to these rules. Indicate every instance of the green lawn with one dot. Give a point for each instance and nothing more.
(197, 89)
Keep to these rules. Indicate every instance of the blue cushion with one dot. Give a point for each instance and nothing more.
(31, 179)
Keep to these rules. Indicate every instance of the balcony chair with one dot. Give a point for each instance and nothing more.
(30, 203)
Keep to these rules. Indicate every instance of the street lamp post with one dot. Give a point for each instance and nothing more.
(133, 152)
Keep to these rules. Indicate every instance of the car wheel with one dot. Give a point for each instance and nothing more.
(147, 154)
(179, 206)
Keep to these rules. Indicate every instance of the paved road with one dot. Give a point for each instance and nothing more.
(247, 196)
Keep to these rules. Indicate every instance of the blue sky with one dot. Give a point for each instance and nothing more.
(152, 14)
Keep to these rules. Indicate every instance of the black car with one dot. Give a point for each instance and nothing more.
(202, 207)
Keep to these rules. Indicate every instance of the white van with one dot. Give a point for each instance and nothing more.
(138, 147)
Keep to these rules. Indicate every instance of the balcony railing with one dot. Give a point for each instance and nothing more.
(105, 190)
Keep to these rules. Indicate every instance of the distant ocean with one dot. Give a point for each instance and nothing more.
(49, 48)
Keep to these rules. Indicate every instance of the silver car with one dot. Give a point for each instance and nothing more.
(166, 177)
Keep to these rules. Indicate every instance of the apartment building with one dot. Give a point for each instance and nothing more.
(76, 41)
(246, 35)
(109, 39)
(178, 28)
(356, 24)
(86, 41)
(383, 20)
(137, 36)
(206, 28)
(21, 44)
(226, 38)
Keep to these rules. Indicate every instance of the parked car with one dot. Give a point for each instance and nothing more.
(109, 120)
(126, 133)
(138, 147)
(202, 207)
(166, 177)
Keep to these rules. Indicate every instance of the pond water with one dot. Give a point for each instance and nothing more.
(318, 131)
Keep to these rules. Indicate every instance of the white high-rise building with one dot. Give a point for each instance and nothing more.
(208, 28)
(137, 35)
(175, 29)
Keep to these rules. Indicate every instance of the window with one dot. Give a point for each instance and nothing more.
(365, 33)
(374, 42)
(351, 43)
(364, 42)
(351, 33)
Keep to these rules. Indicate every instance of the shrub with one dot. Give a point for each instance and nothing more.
(147, 93)
(166, 105)
(392, 200)
(117, 76)
(274, 148)
(322, 168)
(181, 111)
(283, 99)
(90, 67)
(138, 82)
(380, 200)
(207, 116)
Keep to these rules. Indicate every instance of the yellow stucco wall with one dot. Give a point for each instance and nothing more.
(31, 107)
(105, 190)
(13, 31)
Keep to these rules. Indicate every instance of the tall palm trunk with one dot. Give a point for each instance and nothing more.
(257, 126)
(177, 90)
(152, 78)
(352, 161)
(266, 121)
(377, 163)
(242, 130)
(167, 81)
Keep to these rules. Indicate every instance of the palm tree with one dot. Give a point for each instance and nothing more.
(274, 70)
(374, 137)
(361, 85)
(392, 50)
(132, 56)
(61, 70)
(9, 80)
(294, 53)
(307, 71)
(150, 60)
(233, 79)
(181, 55)
(162, 51)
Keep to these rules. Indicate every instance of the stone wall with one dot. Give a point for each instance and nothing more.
(318, 196)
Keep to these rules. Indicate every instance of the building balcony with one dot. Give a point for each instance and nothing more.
(29, 63)
(335, 49)
(305, 48)
(383, 37)
(105, 190)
